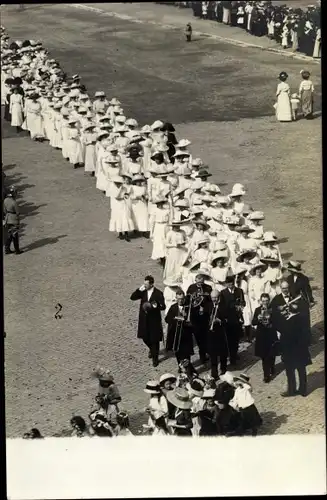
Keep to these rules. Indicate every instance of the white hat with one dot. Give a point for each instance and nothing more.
(204, 269)
(156, 124)
(99, 93)
(114, 102)
(227, 377)
(146, 129)
(183, 143)
(208, 393)
(118, 178)
(181, 153)
(257, 215)
(269, 236)
(211, 188)
(152, 387)
(121, 119)
(121, 128)
(132, 122)
(167, 376)
(111, 159)
(238, 190)
(71, 121)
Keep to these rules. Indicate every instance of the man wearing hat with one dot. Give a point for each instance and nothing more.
(300, 284)
(150, 325)
(217, 345)
(287, 319)
(232, 303)
(11, 221)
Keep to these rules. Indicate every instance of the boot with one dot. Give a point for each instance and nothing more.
(92, 174)
(120, 236)
(146, 235)
(126, 237)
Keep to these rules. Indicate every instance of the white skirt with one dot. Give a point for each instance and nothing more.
(16, 115)
(121, 216)
(36, 126)
(175, 258)
(90, 158)
(159, 241)
(75, 151)
(140, 215)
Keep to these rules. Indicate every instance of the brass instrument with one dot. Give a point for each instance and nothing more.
(286, 310)
(181, 320)
(213, 316)
(265, 316)
(239, 310)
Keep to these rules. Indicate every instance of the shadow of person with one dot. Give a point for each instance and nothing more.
(287, 255)
(271, 422)
(316, 380)
(9, 166)
(283, 240)
(43, 242)
(26, 209)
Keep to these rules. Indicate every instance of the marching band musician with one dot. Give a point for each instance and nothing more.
(199, 314)
(265, 337)
(150, 325)
(179, 332)
(217, 345)
(294, 340)
(232, 299)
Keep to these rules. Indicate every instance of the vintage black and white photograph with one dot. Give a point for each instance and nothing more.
(162, 219)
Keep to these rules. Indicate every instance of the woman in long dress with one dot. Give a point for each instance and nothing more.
(176, 251)
(89, 139)
(283, 105)
(317, 47)
(35, 121)
(161, 220)
(242, 283)
(16, 109)
(258, 284)
(121, 220)
(75, 149)
(306, 95)
(140, 205)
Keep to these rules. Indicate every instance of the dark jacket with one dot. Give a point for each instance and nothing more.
(10, 211)
(184, 333)
(266, 336)
(207, 289)
(216, 339)
(294, 339)
(301, 284)
(150, 325)
(229, 302)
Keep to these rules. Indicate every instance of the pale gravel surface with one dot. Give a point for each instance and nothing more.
(71, 257)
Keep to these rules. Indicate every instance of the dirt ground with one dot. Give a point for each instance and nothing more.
(220, 97)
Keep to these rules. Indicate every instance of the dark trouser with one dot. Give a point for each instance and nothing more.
(179, 357)
(234, 333)
(153, 348)
(268, 366)
(200, 333)
(291, 380)
(12, 236)
(188, 38)
(214, 360)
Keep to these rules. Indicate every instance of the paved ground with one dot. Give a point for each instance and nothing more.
(219, 96)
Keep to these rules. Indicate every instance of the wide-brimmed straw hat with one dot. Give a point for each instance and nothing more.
(256, 215)
(115, 102)
(196, 388)
(260, 265)
(202, 222)
(167, 376)
(294, 266)
(157, 124)
(202, 174)
(242, 377)
(205, 271)
(238, 190)
(250, 252)
(181, 153)
(269, 237)
(100, 93)
(183, 143)
(220, 254)
(152, 387)
(209, 394)
(138, 178)
(245, 229)
(118, 179)
(181, 203)
(269, 260)
(180, 398)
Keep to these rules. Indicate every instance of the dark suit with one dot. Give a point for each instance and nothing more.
(185, 348)
(299, 283)
(150, 325)
(217, 345)
(233, 318)
(294, 343)
(200, 318)
(11, 222)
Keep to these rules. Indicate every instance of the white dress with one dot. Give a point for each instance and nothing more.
(89, 141)
(102, 177)
(247, 311)
(257, 286)
(35, 119)
(75, 148)
(169, 296)
(161, 220)
(132, 168)
(121, 210)
(273, 275)
(16, 110)
(57, 124)
(140, 208)
(219, 275)
(176, 254)
(65, 136)
(283, 107)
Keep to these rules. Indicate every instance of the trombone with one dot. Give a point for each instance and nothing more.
(285, 310)
(181, 319)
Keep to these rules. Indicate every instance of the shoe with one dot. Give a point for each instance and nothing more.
(127, 238)
(76, 165)
(120, 236)
(287, 394)
(266, 380)
(8, 251)
(301, 393)
(272, 371)
(155, 362)
(150, 355)
(19, 252)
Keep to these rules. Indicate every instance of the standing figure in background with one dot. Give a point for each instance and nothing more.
(188, 32)
(283, 105)
(306, 90)
(11, 221)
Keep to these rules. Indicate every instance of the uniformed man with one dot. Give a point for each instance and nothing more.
(11, 221)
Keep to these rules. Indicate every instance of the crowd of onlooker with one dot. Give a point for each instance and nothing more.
(291, 27)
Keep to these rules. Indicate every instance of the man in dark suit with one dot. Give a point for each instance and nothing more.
(150, 325)
(200, 314)
(11, 221)
(179, 333)
(299, 284)
(217, 345)
(294, 343)
(232, 302)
